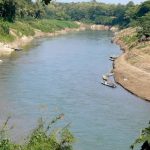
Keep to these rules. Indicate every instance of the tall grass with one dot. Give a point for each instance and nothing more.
(22, 28)
(130, 39)
(5, 35)
(51, 25)
(27, 27)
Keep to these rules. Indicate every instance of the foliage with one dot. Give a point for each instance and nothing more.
(4, 27)
(98, 13)
(144, 23)
(144, 136)
(8, 10)
(46, 1)
(130, 39)
(43, 137)
(8, 31)
(94, 12)
(4, 32)
(51, 25)
(143, 9)
(22, 28)
(89, 12)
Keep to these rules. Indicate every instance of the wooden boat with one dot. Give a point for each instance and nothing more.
(113, 57)
(17, 49)
(112, 85)
(110, 74)
(105, 77)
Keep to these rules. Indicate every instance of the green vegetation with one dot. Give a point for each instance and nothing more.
(22, 28)
(43, 137)
(22, 17)
(51, 25)
(27, 28)
(94, 12)
(130, 39)
(4, 32)
(24, 12)
(143, 139)
(145, 26)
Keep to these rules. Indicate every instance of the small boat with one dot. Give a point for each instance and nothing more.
(113, 57)
(110, 74)
(17, 49)
(112, 85)
(105, 77)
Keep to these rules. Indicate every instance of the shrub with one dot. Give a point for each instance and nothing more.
(43, 137)
(143, 139)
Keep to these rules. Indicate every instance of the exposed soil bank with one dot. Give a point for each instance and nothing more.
(7, 48)
(132, 68)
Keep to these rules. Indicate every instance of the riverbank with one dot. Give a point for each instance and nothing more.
(20, 39)
(21, 33)
(132, 68)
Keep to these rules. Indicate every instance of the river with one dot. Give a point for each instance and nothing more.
(63, 74)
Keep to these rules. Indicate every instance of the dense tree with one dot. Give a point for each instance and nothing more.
(144, 23)
(143, 8)
(8, 9)
(93, 12)
(46, 1)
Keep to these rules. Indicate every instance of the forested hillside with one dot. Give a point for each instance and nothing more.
(88, 12)
(95, 12)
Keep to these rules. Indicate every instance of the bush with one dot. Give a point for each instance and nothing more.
(5, 32)
(144, 23)
(144, 138)
(42, 137)
(22, 28)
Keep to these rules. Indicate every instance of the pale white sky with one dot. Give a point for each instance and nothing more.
(105, 1)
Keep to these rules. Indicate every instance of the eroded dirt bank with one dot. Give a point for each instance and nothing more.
(132, 68)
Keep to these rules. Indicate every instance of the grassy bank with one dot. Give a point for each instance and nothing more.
(9, 31)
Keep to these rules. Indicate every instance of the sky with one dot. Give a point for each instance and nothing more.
(105, 1)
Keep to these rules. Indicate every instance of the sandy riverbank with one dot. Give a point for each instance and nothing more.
(132, 68)
(7, 48)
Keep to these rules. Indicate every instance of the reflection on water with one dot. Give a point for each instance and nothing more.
(63, 74)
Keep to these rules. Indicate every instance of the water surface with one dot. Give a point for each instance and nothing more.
(62, 74)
